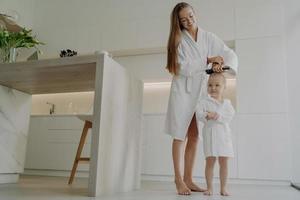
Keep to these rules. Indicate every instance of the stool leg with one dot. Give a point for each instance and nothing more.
(86, 127)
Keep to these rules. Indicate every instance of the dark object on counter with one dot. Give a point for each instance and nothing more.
(67, 53)
(210, 71)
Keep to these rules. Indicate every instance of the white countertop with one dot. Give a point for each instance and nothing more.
(54, 115)
(84, 117)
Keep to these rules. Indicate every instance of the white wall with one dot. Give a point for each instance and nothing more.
(292, 31)
(149, 68)
(23, 8)
(117, 24)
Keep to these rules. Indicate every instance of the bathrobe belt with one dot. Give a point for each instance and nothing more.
(190, 76)
(213, 123)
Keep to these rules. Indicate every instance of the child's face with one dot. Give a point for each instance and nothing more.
(216, 87)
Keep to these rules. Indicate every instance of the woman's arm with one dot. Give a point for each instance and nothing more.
(218, 48)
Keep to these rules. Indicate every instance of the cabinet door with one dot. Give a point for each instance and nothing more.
(53, 142)
(14, 121)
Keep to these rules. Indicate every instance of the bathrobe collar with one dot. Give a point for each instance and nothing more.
(214, 100)
(199, 31)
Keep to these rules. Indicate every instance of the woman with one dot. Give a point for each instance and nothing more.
(190, 51)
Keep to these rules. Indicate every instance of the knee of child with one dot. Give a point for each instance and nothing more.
(222, 161)
(210, 160)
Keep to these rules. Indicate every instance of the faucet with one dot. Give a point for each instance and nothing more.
(52, 107)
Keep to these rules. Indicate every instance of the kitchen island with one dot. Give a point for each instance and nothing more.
(117, 112)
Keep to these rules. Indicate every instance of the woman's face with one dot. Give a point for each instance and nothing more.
(187, 19)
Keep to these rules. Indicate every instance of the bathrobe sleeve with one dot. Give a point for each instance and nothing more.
(218, 48)
(187, 65)
(226, 112)
(201, 111)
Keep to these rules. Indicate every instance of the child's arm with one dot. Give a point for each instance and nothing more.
(226, 113)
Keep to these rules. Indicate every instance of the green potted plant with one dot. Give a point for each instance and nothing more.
(11, 41)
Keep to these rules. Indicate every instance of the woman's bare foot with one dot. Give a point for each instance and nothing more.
(208, 192)
(224, 193)
(193, 187)
(181, 187)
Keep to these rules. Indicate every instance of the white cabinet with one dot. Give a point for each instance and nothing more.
(264, 150)
(261, 80)
(53, 142)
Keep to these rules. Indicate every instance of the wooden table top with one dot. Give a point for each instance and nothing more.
(69, 74)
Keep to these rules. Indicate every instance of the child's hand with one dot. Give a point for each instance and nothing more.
(212, 116)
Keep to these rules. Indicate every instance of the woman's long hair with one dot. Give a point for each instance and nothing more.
(174, 38)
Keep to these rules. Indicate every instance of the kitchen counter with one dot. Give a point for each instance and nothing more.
(57, 115)
(118, 109)
(83, 117)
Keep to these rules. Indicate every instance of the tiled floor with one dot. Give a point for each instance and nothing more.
(56, 188)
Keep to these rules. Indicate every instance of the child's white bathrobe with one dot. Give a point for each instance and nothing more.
(187, 87)
(216, 133)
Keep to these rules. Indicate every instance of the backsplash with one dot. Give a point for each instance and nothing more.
(64, 103)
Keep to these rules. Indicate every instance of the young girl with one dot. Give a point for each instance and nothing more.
(216, 113)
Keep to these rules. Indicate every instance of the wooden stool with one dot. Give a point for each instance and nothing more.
(87, 126)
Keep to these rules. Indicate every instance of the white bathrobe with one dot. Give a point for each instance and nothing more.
(216, 133)
(191, 82)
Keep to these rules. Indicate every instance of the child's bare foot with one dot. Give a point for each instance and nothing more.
(208, 192)
(193, 187)
(224, 193)
(181, 187)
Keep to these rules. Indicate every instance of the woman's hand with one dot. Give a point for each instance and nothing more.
(217, 63)
(217, 68)
(216, 59)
